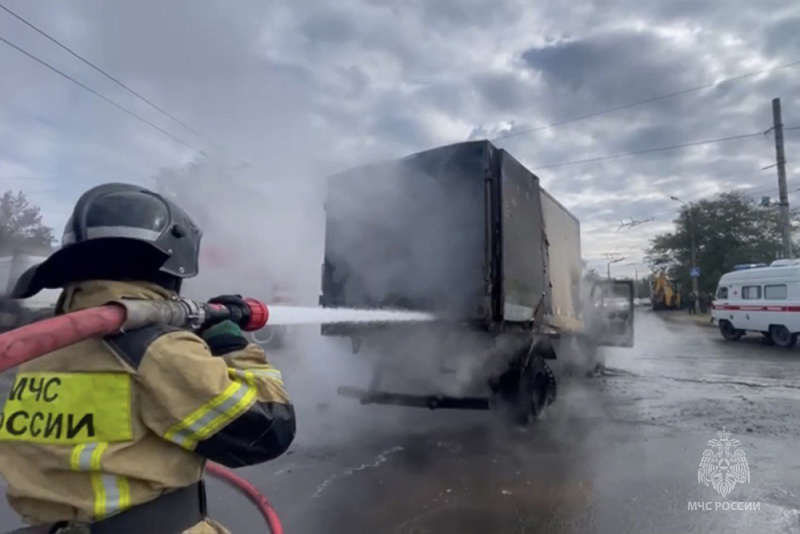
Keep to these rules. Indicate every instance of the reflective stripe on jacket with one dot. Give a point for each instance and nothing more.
(103, 425)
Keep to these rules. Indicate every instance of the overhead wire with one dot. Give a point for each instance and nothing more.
(658, 215)
(651, 150)
(643, 102)
(106, 74)
(751, 192)
(101, 96)
(506, 136)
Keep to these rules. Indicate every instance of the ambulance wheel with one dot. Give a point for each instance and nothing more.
(767, 338)
(729, 332)
(781, 336)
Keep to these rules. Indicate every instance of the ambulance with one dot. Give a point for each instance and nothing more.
(760, 298)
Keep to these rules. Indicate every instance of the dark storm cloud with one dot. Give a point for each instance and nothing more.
(332, 84)
(782, 37)
(504, 92)
(614, 68)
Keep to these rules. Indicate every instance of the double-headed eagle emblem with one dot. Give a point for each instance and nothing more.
(723, 465)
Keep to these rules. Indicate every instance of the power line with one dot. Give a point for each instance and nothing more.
(104, 73)
(118, 106)
(650, 150)
(749, 192)
(645, 101)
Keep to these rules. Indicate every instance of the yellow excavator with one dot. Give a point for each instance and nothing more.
(665, 296)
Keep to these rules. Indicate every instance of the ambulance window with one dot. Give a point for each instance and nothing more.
(776, 292)
(722, 293)
(751, 292)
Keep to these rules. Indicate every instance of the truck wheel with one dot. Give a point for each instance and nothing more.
(729, 332)
(526, 392)
(781, 336)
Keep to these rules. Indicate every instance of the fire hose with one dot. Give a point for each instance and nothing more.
(37, 339)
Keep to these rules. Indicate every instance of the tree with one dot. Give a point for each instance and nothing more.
(21, 225)
(729, 230)
(642, 288)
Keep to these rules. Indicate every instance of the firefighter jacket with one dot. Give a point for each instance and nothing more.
(106, 424)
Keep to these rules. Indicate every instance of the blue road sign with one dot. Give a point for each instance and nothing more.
(694, 272)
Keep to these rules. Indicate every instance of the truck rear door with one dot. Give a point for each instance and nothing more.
(612, 311)
(523, 255)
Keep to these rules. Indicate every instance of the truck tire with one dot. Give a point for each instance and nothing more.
(526, 391)
(781, 336)
(729, 332)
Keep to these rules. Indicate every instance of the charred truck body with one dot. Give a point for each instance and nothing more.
(465, 232)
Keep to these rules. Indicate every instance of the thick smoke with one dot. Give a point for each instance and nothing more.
(262, 231)
(407, 235)
(264, 237)
(395, 237)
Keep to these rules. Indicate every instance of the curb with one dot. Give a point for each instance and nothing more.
(676, 320)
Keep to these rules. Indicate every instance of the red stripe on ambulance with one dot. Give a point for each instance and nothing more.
(758, 308)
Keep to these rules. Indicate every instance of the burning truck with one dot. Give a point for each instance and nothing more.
(466, 233)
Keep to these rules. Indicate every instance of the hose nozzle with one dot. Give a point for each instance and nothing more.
(249, 314)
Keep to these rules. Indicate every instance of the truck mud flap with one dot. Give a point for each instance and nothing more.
(433, 402)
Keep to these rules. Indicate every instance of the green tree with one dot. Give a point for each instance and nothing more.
(642, 288)
(21, 225)
(730, 229)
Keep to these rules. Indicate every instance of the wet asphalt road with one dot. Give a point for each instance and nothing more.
(615, 454)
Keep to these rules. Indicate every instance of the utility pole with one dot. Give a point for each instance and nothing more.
(635, 279)
(786, 229)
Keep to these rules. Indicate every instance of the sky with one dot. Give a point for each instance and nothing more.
(294, 90)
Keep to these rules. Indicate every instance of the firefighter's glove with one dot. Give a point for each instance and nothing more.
(234, 303)
(228, 299)
(224, 337)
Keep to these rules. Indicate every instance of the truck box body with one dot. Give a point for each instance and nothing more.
(566, 264)
(463, 230)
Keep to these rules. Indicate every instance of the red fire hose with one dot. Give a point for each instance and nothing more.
(34, 340)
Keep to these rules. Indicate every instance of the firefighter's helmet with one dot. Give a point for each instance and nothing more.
(121, 230)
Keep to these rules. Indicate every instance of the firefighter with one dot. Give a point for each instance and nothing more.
(112, 435)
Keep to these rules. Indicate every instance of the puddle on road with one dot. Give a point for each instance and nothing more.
(755, 382)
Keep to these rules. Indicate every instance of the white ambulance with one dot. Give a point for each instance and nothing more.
(762, 299)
